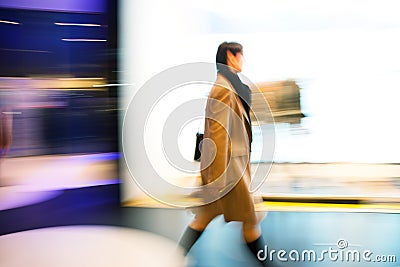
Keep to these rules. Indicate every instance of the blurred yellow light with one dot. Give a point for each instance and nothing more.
(9, 22)
(83, 40)
(77, 24)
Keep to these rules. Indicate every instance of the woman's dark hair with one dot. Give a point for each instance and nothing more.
(223, 49)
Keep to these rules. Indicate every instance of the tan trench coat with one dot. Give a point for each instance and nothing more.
(225, 156)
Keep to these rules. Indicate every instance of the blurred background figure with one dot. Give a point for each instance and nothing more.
(5, 129)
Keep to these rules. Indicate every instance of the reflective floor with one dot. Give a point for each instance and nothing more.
(294, 238)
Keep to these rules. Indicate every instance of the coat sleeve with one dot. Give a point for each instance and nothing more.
(216, 150)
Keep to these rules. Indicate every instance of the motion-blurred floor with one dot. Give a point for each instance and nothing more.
(82, 223)
(221, 245)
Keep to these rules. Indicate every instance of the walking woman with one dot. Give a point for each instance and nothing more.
(225, 155)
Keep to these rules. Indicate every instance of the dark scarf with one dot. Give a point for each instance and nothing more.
(241, 89)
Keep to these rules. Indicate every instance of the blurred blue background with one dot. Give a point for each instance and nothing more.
(55, 58)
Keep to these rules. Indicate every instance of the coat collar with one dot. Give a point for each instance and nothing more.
(224, 82)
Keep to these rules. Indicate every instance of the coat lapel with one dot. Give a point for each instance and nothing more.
(237, 98)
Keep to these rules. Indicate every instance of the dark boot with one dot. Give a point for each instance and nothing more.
(189, 237)
(257, 247)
